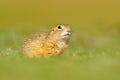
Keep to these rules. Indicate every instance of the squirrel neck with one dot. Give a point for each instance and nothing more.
(56, 43)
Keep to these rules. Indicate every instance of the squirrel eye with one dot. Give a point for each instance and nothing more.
(59, 27)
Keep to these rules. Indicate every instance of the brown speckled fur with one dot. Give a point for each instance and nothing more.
(43, 44)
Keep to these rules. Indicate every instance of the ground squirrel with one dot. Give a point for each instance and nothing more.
(47, 44)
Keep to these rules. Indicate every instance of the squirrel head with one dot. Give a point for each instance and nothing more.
(61, 32)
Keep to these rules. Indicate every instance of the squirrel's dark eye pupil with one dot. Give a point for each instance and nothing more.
(59, 27)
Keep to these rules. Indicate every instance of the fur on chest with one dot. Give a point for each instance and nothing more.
(55, 47)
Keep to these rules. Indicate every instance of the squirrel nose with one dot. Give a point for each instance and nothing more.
(69, 31)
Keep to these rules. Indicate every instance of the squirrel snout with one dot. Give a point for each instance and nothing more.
(69, 31)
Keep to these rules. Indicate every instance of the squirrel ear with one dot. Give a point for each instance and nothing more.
(53, 29)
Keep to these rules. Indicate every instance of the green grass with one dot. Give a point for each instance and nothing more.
(87, 58)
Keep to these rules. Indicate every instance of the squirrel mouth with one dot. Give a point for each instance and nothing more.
(67, 34)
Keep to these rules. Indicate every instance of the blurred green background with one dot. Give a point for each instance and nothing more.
(94, 48)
